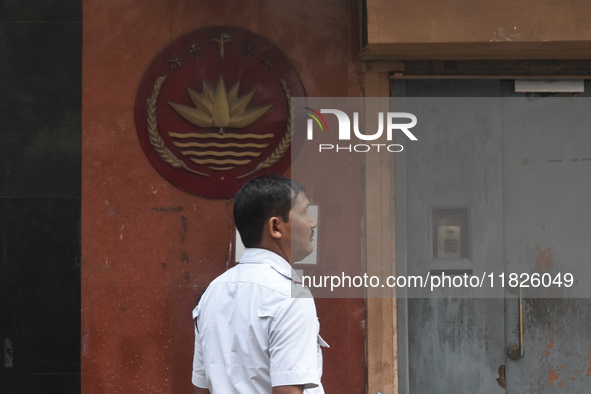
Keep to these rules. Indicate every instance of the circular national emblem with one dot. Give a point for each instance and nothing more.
(214, 110)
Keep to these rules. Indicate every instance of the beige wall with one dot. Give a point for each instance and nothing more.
(472, 29)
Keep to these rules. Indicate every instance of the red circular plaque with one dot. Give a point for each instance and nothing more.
(213, 110)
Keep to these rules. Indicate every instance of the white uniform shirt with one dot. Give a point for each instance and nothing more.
(252, 334)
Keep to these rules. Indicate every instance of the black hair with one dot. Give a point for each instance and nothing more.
(259, 200)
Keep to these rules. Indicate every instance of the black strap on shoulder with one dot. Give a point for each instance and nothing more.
(197, 303)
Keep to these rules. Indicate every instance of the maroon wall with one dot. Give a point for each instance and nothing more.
(148, 248)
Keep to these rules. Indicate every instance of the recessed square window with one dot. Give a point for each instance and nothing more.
(450, 233)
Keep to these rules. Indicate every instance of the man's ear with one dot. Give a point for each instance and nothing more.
(275, 227)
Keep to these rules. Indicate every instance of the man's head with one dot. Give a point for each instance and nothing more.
(271, 210)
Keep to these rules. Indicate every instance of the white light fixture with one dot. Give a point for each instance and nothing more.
(549, 86)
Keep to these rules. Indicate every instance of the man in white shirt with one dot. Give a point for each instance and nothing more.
(256, 329)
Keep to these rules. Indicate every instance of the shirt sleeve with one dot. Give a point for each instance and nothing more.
(198, 379)
(293, 345)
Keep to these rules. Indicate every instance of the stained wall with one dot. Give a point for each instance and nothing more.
(148, 248)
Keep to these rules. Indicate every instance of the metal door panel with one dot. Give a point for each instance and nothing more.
(547, 192)
(526, 181)
(450, 345)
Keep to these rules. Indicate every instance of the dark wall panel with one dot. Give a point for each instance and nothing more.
(40, 104)
(40, 195)
(41, 282)
(41, 10)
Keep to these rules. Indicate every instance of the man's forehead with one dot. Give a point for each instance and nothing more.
(301, 200)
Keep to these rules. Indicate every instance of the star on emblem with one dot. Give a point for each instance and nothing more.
(248, 50)
(175, 62)
(268, 63)
(194, 50)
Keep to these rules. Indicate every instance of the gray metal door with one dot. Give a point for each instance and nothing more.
(513, 190)
(547, 192)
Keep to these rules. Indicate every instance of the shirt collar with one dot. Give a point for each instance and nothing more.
(264, 256)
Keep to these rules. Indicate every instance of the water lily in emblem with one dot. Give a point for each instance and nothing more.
(220, 108)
